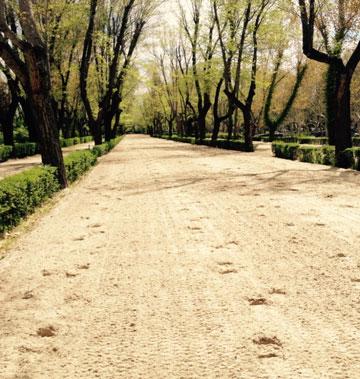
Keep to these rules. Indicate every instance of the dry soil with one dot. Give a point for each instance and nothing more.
(178, 261)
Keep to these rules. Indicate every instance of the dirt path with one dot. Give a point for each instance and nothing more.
(177, 261)
(14, 166)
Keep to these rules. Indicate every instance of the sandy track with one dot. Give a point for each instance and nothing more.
(175, 261)
(14, 166)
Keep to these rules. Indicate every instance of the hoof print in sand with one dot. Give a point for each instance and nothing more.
(263, 340)
(83, 267)
(229, 271)
(71, 275)
(49, 331)
(258, 301)
(267, 356)
(277, 291)
(28, 295)
(77, 239)
(225, 263)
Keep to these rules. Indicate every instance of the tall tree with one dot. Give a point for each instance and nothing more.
(253, 18)
(25, 53)
(273, 122)
(340, 73)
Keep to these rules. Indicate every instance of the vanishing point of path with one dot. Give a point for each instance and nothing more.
(178, 261)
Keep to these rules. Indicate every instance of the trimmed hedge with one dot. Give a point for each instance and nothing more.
(285, 150)
(5, 152)
(100, 150)
(325, 155)
(77, 163)
(310, 154)
(20, 194)
(238, 145)
(183, 139)
(27, 149)
(22, 150)
(74, 141)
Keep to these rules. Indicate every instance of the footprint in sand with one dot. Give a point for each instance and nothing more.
(195, 228)
(83, 267)
(97, 225)
(264, 340)
(48, 331)
(225, 263)
(80, 238)
(229, 271)
(277, 291)
(28, 295)
(70, 275)
(258, 301)
(267, 356)
(45, 273)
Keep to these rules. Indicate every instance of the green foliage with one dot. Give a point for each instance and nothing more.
(220, 143)
(20, 194)
(77, 163)
(310, 154)
(356, 141)
(5, 152)
(67, 142)
(183, 139)
(285, 150)
(21, 134)
(350, 158)
(22, 150)
(100, 150)
(328, 155)
(231, 145)
(313, 140)
(86, 139)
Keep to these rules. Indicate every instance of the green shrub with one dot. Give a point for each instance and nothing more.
(207, 142)
(350, 158)
(356, 151)
(20, 194)
(237, 145)
(22, 150)
(313, 140)
(310, 154)
(285, 150)
(184, 139)
(86, 139)
(21, 134)
(78, 163)
(328, 155)
(100, 150)
(356, 141)
(5, 152)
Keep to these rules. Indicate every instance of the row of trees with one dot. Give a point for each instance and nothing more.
(65, 67)
(247, 62)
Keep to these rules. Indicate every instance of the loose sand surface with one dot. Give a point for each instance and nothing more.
(178, 261)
